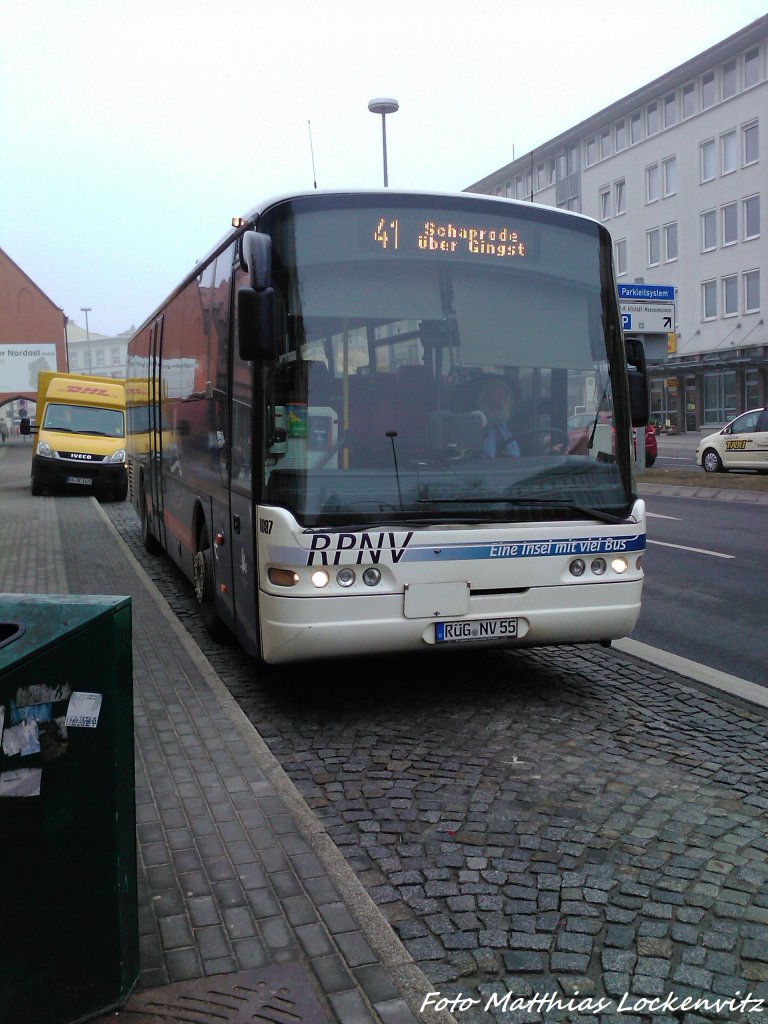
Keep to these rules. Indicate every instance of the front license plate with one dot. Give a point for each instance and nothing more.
(79, 480)
(477, 629)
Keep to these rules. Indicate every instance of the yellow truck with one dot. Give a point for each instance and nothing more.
(80, 427)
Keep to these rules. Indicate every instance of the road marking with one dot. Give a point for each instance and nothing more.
(683, 547)
(658, 515)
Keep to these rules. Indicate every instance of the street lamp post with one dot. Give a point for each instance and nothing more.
(87, 310)
(383, 105)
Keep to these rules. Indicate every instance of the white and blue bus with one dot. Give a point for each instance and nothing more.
(310, 447)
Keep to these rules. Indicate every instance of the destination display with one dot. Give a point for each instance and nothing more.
(445, 237)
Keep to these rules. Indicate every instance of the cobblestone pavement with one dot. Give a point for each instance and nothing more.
(566, 822)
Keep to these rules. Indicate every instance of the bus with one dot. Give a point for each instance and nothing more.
(309, 448)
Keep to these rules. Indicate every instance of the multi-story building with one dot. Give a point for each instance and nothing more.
(677, 173)
(97, 355)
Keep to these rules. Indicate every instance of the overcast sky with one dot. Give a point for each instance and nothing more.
(132, 131)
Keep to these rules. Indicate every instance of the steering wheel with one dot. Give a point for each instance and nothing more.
(558, 439)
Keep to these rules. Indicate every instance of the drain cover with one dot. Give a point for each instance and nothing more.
(272, 995)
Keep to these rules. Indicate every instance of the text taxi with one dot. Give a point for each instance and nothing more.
(741, 444)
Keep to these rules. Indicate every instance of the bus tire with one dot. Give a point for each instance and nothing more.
(149, 542)
(205, 589)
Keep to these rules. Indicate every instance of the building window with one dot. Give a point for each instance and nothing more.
(652, 184)
(670, 242)
(620, 133)
(74, 362)
(730, 224)
(709, 300)
(620, 197)
(751, 67)
(590, 154)
(729, 79)
(730, 295)
(728, 153)
(689, 100)
(115, 356)
(100, 358)
(636, 127)
(653, 240)
(652, 118)
(708, 93)
(670, 109)
(708, 230)
(707, 160)
(541, 177)
(606, 149)
(620, 256)
(669, 170)
(752, 291)
(605, 203)
(751, 217)
(751, 144)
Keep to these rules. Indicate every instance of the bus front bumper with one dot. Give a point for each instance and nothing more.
(294, 629)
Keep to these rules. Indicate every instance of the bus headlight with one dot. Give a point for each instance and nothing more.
(599, 565)
(44, 450)
(578, 567)
(619, 565)
(119, 456)
(372, 577)
(345, 577)
(320, 578)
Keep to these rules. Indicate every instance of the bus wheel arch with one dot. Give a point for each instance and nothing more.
(204, 581)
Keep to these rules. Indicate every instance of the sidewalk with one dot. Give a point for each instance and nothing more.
(237, 878)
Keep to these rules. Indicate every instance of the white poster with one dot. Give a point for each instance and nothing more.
(20, 365)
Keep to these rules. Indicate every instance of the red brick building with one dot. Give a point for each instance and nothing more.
(32, 333)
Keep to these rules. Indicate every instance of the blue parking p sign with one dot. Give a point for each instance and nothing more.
(626, 321)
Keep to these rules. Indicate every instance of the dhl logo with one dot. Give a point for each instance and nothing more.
(85, 390)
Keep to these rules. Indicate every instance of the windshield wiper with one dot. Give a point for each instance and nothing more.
(567, 506)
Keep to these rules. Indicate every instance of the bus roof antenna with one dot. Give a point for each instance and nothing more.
(312, 153)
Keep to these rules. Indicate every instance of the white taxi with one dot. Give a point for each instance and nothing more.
(741, 444)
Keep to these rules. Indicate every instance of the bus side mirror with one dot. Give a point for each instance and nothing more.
(638, 398)
(256, 324)
(639, 402)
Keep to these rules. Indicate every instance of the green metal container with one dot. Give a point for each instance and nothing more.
(69, 947)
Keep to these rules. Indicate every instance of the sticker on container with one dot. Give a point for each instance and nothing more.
(21, 739)
(38, 712)
(83, 710)
(22, 782)
(42, 693)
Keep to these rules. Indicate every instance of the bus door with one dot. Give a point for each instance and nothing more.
(243, 529)
(156, 419)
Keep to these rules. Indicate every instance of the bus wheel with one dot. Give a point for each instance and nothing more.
(205, 592)
(150, 543)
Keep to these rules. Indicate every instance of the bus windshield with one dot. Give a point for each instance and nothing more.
(443, 362)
